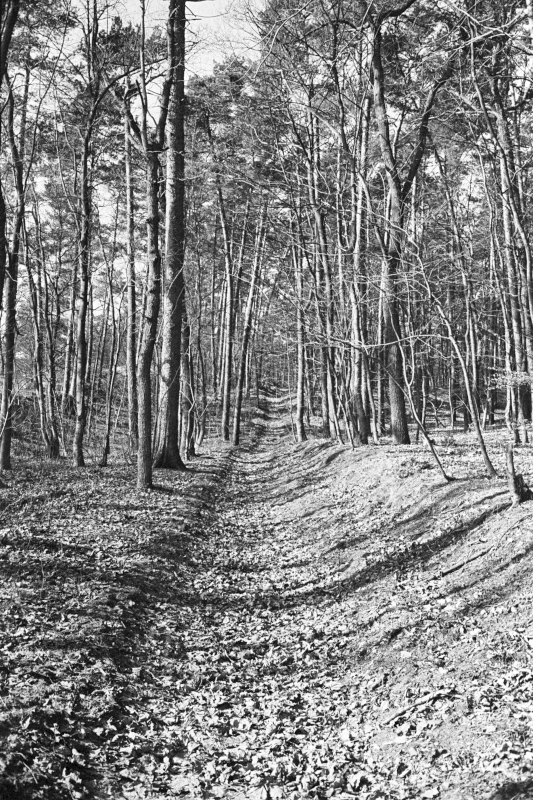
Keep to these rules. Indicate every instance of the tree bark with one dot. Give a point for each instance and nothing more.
(187, 404)
(398, 191)
(149, 324)
(83, 294)
(131, 325)
(9, 11)
(517, 488)
(167, 453)
(301, 435)
(11, 282)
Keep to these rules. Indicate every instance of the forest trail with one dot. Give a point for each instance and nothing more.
(283, 621)
(334, 633)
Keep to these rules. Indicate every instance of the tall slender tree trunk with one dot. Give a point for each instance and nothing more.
(69, 344)
(51, 396)
(228, 349)
(301, 435)
(358, 288)
(167, 448)
(187, 404)
(214, 349)
(112, 374)
(131, 325)
(9, 11)
(83, 296)
(392, 245)
(149, 324)
(11, 281)
(43, 321)
(35, 293)
(229, 296)
(4, 247)
(247, 325)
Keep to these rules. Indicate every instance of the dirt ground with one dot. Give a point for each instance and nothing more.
(282, 621)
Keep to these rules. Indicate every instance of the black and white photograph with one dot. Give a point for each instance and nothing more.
(266, 399)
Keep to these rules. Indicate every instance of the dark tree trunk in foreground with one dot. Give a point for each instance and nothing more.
(392, 331)
(167, 449)
(152, 146)
(11, 282)
(9, 11)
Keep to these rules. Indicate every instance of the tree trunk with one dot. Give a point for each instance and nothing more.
(83, 295)
(167, 453)
(11, 282)
(227, 337)
(8, 18)
(69, 345)
(112, 374)
(301, 435)
(38, 357)
(149, 324)
(247, 325)
(392, 243)
(131, 324)
(187, 404)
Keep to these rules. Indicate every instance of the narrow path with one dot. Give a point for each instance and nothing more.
(267, 695)
(320, 662)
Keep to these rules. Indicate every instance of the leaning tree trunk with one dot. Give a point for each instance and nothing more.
(112, 374)
(247, 326)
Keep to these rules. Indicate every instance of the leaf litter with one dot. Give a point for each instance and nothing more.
(282, 621)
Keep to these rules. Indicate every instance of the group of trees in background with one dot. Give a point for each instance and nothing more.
(346, 216)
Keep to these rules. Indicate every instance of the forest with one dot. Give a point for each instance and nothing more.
(345, 217)
(266, 350)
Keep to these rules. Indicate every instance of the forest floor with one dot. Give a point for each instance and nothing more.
(282, 621)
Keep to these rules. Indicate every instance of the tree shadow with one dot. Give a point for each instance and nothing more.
(159, 553)
(448, 492)
(518, 581)
(9, 790)
(88, 598)
(512, 790)
(413, 556)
